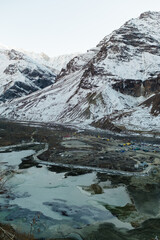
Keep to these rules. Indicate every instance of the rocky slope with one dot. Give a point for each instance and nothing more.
(115, 85)
(21, 75)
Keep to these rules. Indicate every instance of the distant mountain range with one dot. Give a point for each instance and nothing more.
(22, 72)
(21, 75)
(56, 63)
(114, 86)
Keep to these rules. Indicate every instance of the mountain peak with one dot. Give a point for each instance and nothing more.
(150, 14)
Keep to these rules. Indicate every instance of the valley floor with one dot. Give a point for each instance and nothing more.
(91, 149)
(128, 165)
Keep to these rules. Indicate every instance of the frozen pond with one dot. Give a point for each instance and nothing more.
(49, 204)
(13, 158)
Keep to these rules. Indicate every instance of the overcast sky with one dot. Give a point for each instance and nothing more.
(65, 26)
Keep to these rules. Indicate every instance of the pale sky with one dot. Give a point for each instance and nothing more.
(59, 27)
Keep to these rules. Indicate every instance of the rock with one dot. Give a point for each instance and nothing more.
(105, 123)
(153, 103)
(157, 161)
(129, 87)
(96, 189)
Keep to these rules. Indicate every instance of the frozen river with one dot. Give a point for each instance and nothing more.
(49, 204)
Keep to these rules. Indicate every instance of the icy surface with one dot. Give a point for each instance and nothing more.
(14, 158)
(61, 199)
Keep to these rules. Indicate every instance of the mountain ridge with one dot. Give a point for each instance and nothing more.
(110, 83)
(56, 63)
(20, 75)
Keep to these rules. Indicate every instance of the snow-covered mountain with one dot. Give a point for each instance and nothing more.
(114, 86)
(56, 63)
(21, 75)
